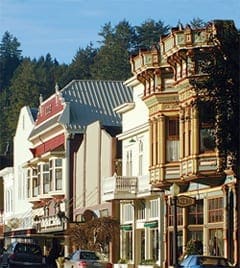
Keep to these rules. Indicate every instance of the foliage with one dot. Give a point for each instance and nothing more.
(220, 86)
(197, 23)
(149, 33)
(95, 234)
(10, 58)
(194, 247)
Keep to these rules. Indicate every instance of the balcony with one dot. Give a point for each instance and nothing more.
(123, 187)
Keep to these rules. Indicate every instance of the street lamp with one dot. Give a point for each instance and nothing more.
(174, 190)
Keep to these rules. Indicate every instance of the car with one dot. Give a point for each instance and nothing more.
(21, 254)
(86, 259)
(201, 261)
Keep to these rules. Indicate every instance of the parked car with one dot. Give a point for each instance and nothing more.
(20, 255)
(200, 261)
(86, 259)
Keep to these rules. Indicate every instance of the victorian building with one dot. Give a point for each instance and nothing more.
(181, 151)
(72, 144)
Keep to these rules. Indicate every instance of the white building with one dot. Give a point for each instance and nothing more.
(17, 209)
(141, 223)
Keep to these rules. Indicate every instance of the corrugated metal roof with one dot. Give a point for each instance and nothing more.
(91, 100)
(88, 101)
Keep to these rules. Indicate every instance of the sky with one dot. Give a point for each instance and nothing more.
(61, 27)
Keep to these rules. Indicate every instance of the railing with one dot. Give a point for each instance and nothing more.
(116, 184)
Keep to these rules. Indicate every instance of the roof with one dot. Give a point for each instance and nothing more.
(87, 101)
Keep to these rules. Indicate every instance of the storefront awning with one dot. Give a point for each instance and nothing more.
(127, 227)
(151, 224)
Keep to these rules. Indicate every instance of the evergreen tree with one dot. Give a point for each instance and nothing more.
(112, 59)
(80, 68)
(149, 33)
(10, 58)
(25, 90)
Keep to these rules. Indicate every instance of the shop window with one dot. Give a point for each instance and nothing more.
(172, 139)
(154, 237)
(127, 240)
(215, 210)
(179, 216)
(216, 246)
(195, 213)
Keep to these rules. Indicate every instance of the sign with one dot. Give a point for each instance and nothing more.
(185, 201)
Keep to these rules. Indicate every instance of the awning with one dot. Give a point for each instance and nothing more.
(151, 224)
(127, 227)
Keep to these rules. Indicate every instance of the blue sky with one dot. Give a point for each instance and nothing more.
(60, 27)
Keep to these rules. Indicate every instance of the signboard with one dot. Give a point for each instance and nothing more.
(185, 201)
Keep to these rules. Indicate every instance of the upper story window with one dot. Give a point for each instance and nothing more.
(154, 205)
(172, 139)
(56, 174)
(129, 163)
(127, 212)
(140, 158)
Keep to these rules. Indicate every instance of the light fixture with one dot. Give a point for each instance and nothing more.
(132, 140)
(175, 190)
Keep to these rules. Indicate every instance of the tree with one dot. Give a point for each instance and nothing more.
(220, 87)
(197, 23)
(149, 33)
(80, 68)
(10, 58)
(24, 90)
(112, 60)
(95, 234)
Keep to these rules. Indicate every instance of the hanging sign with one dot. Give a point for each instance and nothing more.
(185, 201)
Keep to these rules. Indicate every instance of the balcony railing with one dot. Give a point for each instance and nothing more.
(124, 187)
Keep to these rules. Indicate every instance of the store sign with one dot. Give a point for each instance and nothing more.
(185, 201)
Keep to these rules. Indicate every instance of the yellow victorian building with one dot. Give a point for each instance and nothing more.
(182, 148)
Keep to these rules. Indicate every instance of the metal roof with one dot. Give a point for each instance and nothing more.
(87, 101)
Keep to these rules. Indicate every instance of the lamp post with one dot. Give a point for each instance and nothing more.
(174, 190)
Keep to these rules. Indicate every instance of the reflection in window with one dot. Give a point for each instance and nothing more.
(215, 210)
(127, 245)
(172, 139)
(196, 213)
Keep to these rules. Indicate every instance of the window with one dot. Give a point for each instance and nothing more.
(140, 159)
(46, 178)
(56, 174)
(154, 237)
(196, 213)
(172, 139)
(140, 209)
(215, 210)
(207, 138)
(127, 212)
(154, 208)
(216, 247)
(129, 163)
(127, 240)
(179, 216)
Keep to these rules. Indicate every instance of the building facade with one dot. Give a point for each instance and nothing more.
(55, 173)
(182, 151)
